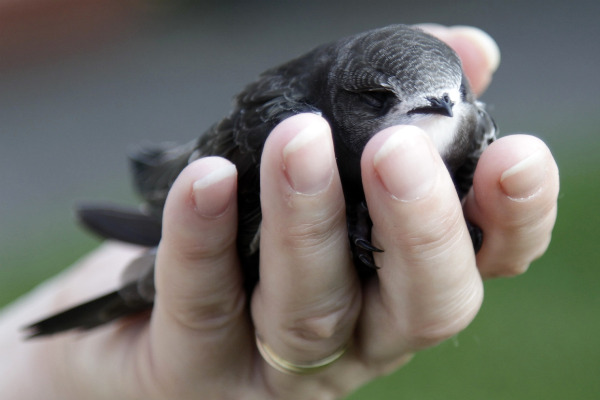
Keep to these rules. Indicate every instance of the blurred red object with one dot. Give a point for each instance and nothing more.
(32, 31)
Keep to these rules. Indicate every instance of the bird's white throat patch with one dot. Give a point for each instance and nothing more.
(441, 129)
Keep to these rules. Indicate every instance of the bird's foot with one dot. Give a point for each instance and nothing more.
(359, 232)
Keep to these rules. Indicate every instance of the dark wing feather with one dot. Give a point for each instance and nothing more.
(275, 96)
(278, 94)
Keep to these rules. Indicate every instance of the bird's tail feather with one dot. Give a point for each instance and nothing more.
(122, 223)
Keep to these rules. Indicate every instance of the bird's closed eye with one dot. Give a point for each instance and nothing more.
(380, 100)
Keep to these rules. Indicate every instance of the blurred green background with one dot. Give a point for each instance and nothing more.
(72, 100)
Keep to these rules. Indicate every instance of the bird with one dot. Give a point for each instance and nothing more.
(360, 84)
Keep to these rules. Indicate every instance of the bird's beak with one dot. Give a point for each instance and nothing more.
(442, 105)
(437, 105)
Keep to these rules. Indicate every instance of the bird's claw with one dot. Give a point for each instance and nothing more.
(476, 236)
(366, 245)
(367, 260)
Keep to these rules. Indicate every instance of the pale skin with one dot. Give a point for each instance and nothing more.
(199, 340)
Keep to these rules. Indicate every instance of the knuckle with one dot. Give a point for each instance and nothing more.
(436, 235)
(327, 329)
(516, 248)
(514, 269)
(504, 268)
(315, 232)
(428, 336)
(209, 246)
(206, 314)
(315, 329)
(449, 319)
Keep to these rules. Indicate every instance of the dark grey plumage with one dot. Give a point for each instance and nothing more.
(360, 85)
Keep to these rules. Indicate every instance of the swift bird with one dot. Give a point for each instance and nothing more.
(360, 84)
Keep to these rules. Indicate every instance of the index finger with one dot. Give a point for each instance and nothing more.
(200, 301)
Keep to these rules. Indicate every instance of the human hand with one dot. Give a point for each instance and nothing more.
(309, 302)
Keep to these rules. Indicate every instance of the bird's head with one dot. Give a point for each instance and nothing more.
(392, 76)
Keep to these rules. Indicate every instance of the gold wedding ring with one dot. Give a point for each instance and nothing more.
(291, 368)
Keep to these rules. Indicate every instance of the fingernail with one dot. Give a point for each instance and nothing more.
(406, 165)
(485, 42)
(524, 179)
(308, 160)
(213, 192)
